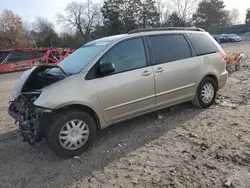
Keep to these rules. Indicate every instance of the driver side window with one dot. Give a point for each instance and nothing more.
(127, 55)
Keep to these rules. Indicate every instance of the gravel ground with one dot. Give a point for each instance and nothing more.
(183, 147)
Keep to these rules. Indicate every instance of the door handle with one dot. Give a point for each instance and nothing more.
(146, 73)
(159, 69)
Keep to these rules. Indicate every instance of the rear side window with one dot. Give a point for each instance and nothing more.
(202, 44)
(167, 48)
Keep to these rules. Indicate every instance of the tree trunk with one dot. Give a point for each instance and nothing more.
(81, 31)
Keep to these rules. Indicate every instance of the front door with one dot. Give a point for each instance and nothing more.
(176, 70)
(130, 89)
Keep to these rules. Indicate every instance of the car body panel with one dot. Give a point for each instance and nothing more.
(177, 82)
(17, 90)
(214, 64)
(126, 93)
(70, 91)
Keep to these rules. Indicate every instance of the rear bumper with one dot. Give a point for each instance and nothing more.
(222, 79)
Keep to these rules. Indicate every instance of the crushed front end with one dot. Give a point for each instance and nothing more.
(28, 116)
(32, 119)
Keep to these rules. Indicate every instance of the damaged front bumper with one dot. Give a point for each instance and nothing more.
(22, 109)
(28, 116)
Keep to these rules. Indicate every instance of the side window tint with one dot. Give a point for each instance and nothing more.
(127, 55)
(202, 43)
(168, 48)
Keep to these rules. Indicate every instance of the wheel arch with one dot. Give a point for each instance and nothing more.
(83, 108)
(196, 100)
(214, 77)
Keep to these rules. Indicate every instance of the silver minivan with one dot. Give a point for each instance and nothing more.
(113, 79)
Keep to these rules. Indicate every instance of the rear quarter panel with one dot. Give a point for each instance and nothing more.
(213, 64)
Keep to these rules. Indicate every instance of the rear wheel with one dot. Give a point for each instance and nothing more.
(71, 133)
(206, 93)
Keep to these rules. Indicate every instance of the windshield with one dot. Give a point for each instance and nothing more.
(78, 60)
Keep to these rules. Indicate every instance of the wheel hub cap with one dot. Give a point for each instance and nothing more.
(74, 134)
(207, 93)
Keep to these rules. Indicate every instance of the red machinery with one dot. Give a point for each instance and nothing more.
(26, 58)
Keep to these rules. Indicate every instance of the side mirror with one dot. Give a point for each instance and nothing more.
(107, 68)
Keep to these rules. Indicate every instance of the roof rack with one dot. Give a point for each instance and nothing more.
(165, 29)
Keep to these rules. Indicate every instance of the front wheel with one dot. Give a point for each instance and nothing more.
(206, 93)
(71, 133)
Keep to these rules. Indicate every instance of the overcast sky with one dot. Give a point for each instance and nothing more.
(28, 9)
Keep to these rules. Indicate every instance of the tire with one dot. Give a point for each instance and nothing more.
(60, 124)
(198, 100)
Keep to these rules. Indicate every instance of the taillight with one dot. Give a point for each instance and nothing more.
(224, 55)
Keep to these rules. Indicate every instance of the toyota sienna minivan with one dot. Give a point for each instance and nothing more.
(115, 78)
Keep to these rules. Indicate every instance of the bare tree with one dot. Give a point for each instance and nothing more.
(27, 32)
(234, 16)
(165, 8)
(81, 16)
(40, 24)
(44, 33)
(247, 16)
(42, 28)
(185, 9)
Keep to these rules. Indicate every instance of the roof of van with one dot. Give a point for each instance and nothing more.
(106, 40)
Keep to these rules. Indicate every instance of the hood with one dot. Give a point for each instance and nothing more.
(36, 78)
(17, 90)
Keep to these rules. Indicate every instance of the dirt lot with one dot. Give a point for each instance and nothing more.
(188, 147)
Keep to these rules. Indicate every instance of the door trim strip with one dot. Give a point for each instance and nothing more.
(148, 97)
(130, 102)
(173, 90)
